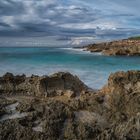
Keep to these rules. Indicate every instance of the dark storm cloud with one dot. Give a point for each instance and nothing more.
(4, 25)
(69, 18)
(8, 7)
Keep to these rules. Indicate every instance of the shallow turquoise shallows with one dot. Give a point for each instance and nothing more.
(92, 68)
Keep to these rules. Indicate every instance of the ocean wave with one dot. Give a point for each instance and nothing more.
(80, 50)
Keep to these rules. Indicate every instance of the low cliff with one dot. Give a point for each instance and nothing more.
(129, 47)
(122, 95)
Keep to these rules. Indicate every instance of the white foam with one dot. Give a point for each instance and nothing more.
(81, 51)
(76, 50)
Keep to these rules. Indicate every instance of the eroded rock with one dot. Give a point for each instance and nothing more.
(111, 113)
(49, 86)
(122, 47)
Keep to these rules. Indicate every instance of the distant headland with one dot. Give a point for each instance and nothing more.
(129, 47)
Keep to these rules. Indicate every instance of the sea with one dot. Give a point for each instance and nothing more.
(92, 68)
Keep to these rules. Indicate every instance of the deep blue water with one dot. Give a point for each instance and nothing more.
(92, 68)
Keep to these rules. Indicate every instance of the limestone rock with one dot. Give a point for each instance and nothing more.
(111, 113)
(121, 47)
(69, 93)
(54, 85)
(123, 82)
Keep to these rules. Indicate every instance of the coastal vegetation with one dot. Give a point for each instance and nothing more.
(135, 38)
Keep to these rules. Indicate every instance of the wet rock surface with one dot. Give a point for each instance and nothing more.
(110, 113)
(128, 47)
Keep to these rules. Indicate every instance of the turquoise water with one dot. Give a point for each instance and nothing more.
(92, 68)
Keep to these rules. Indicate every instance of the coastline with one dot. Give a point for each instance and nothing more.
(69, 70)
(92, 68)
(125, 47)
(62, 106)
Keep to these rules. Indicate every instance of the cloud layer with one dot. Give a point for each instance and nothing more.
(69, 18)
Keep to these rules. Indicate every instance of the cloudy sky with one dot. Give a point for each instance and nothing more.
(74, 20)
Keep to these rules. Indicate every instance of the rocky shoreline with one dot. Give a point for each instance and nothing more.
(62, 107)
(128, 47)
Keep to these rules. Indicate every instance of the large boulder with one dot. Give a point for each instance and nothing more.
(121, 105)
(56, 84)
(123, 82)
(122, 96)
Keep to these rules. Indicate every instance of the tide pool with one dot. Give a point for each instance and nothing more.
(92, 68)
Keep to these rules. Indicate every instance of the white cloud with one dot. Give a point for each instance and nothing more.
(92, 25)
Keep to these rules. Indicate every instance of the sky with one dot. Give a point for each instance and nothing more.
(67, 21)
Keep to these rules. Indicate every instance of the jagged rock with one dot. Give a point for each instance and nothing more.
(54, 85)
(111, 113)
(122, 103)
(123, 82)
